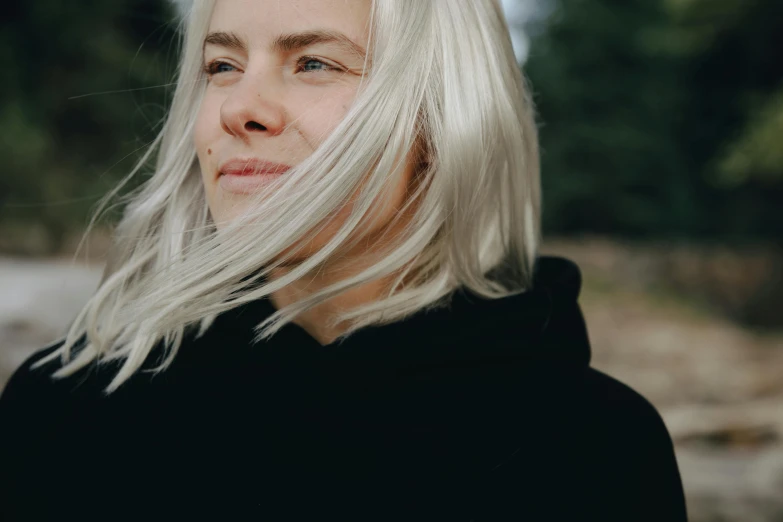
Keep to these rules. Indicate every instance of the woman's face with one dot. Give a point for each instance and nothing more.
(282, 76)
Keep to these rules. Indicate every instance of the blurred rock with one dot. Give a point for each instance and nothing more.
(745, 284)
(39, 300)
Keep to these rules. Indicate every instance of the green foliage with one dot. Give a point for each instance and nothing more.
(660, 118)
(607, 102)
(733, 87)
(70, 105)
(758, 152)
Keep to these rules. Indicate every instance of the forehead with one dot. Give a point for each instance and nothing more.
(258, 21)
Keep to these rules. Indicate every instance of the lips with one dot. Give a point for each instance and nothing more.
(251, 166)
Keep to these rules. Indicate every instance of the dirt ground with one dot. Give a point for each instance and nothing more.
(718, 386)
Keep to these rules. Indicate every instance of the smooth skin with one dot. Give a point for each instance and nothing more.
(279, 105)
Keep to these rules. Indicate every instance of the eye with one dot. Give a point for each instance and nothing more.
(306, 64)
(213, 67)
(310, 64)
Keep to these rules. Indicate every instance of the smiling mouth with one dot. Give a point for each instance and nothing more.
(250, 171)
(245, 183)
(251, 167)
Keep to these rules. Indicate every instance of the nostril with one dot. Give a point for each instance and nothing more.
(251, 125)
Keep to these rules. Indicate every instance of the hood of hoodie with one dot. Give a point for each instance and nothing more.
(544, 323)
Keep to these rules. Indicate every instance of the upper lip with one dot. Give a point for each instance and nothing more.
(247, 166)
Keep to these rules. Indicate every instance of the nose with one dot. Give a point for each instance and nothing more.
(252, 109)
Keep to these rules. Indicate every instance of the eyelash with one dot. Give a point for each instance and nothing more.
(210, 69)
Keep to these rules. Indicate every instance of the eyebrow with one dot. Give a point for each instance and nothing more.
(287, 42)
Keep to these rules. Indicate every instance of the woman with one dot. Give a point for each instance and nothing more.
(327, 301)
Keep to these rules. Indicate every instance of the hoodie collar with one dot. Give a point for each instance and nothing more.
(544, 323)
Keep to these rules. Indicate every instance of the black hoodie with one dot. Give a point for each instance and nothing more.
(482, 411)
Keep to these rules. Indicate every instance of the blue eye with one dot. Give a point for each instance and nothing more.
(213, 67)
(307, 64)
(303, 64)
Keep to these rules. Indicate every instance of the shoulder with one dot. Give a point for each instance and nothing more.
(27, 404)
(33, 386)
(25, 374)
(598, 417)
(615, 422)
(29, 384)
(33, 409)
(618, 404)
(596, 404)
(588, 446)
(626, 437)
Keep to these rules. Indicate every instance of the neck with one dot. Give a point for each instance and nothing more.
(316, 321)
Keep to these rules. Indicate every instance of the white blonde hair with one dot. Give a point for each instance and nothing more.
(442, 71)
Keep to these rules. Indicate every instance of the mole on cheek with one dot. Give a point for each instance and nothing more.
(209, 152)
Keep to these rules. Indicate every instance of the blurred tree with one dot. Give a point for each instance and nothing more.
(659, 118)
(609, 103)
(70, 106)
(733, 55)
(758, 152)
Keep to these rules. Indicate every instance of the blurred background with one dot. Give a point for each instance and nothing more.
(661, 124)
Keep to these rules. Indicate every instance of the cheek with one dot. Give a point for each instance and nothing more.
(207, 126)
(200, 133)
(205, 136)
(317, 121)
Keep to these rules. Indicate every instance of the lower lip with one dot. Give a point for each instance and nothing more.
(245, 184)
